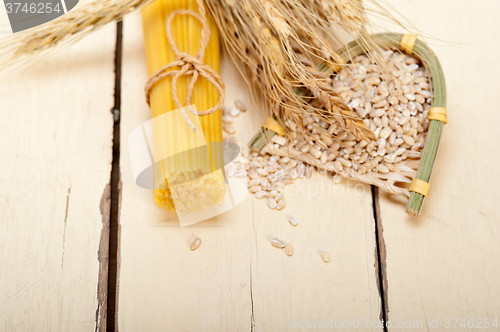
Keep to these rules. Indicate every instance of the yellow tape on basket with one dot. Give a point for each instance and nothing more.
(407, 43)
(438, 113)
(420, 187)
(273, 125)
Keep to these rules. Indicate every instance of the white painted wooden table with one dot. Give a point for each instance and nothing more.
(55, 159)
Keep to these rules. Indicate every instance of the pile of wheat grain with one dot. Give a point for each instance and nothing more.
(392, 104)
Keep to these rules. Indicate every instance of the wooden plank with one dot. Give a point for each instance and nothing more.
(444, 264)
(56, 133)
(236, 281)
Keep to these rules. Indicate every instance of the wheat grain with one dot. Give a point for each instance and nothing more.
(293, 221)
(325, 257)
(277, 243)
(240, 104)
(195, 244)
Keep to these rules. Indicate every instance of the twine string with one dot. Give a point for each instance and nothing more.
(188, 65)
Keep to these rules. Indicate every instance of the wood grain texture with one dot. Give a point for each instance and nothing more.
(236, 281)
(55, 158)
(444, 264)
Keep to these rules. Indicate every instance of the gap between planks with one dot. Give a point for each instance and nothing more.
(380, 258)
(114, 221)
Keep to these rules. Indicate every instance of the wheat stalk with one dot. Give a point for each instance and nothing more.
(17, 49)
(279, 43)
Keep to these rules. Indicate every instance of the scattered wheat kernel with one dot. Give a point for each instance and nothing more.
(230, 171)
(252, 173)
(400, 151)
(240, 105)
(196, 244)
(382, 169)
(262, 171)
(386, 132)
(325, 257)
(281, 204)
(228, 129)
(227, 119)
(324, 157)
(260, 194)
(277, 243)
(289, 250)
(255, 189)
(234, 112)
(292, 221)
(279, 139)
(413, 154)
(273, 193)
(284, 160)
(408, 140)
(309, 171)
(240, 174)
(271, 202)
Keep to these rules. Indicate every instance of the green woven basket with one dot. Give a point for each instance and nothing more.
(411, 45)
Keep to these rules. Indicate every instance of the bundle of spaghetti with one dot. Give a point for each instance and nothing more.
(191, 178)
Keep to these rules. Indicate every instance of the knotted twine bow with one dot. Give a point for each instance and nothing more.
(188, 65)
